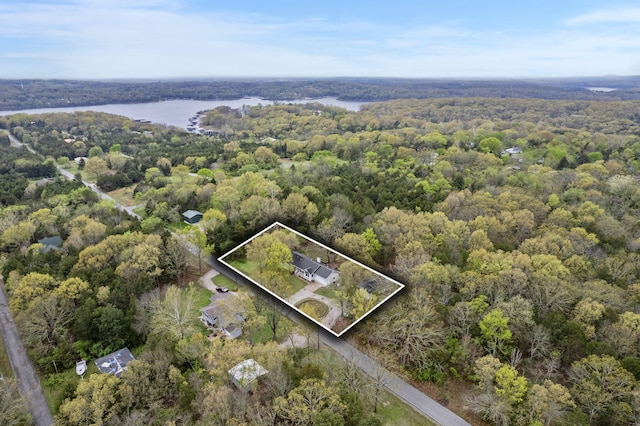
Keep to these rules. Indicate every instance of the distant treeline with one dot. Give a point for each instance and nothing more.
(22, 94)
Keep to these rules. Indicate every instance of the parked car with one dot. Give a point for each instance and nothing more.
(222, 289)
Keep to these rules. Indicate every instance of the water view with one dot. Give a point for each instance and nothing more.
(177, 112)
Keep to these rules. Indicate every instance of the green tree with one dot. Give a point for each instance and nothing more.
(95, 402)
(510, 385)
(491, 144)
(13, 410)
(95, 166)
(176, 314)
(600, 383)
(309, 401)
(495, 333)
(362, 302)
(198, 243)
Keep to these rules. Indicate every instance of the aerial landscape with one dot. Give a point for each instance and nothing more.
(391, 213)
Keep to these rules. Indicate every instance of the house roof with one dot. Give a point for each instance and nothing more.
(303, 262)
(247, 371)
(115, 363)
(233, 331)
(223, 318)
(191, 214)
(213, 311)
(51, 243)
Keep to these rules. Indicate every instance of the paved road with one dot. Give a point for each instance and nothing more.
(403, 390)
(15, 142)
(101, 193)
(28, 382)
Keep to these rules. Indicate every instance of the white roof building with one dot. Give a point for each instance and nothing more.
(245, 373)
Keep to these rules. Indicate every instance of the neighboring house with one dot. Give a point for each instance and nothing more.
(51, 243)
(313, 271)
(192, 217)
(215, 317)
(512, 151)
(115, 363)
(209, 315)
(80, 160)
(232, 331)
(246, 373)
(44, 181)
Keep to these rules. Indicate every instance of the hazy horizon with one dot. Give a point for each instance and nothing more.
(195, 40)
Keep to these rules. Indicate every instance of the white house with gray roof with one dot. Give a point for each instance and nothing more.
(312, 270)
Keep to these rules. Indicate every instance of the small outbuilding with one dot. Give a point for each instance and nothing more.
(192, 217)
(115, 363)
(246, 373)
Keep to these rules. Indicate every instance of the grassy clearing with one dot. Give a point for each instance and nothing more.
(393, 411)
(250, 268)
(5, 365)
(264, 334)
(58, 387)
(140, 211)
(123, 196)
(330, 291)
(179, 226)
(222, 281)
(201, 297)
(314, 308)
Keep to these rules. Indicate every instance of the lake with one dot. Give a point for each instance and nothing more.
(177, 112)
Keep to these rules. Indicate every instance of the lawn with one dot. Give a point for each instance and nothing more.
(58, 387)
(222, 281)
(140, 211)
(202, 296)
(330, 291)
(264, 334)
(314, 308)
(5, 365)
(393, 411)
(179, 226)
(250, 269)
(123, 196)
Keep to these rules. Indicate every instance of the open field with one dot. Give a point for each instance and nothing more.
(250, 268)
(123, 196)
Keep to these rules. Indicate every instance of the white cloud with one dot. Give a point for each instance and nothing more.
(162, 38)
(619, 15)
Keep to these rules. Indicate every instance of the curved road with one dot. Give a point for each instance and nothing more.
(28, 381)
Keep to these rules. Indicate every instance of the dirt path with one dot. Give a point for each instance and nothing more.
(28, 381)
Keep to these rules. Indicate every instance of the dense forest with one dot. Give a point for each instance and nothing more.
(513, 223)
(23, 94)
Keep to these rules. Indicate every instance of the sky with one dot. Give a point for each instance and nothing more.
(162, 39)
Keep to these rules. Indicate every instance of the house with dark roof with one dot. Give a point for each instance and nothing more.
(192, 217)
(115, 363)
(312, 270)
(51, 243)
